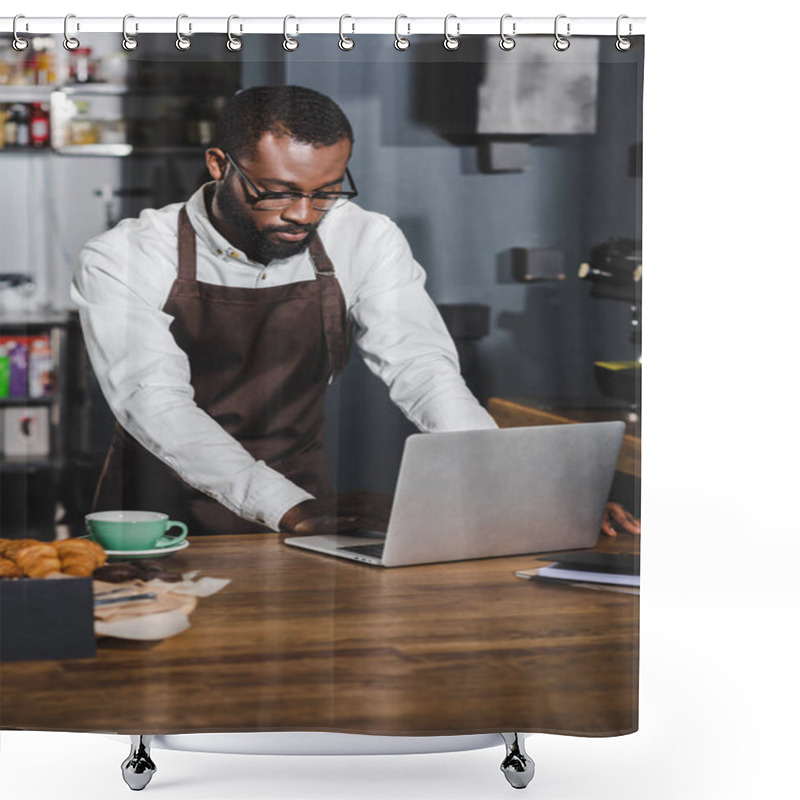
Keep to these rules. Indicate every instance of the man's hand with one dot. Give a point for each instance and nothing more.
(339, 514)
(616, 518)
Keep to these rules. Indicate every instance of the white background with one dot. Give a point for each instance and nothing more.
(719, 692)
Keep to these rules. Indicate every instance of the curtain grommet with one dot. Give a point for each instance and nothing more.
(346, 43)
(234, 44)
(507, 42)
(18, 43)
(181, 42)
(561, 43)
(70, 42)
(623, 44)
(290, 44)
(128, 42)
(451, 42)
(400, 42)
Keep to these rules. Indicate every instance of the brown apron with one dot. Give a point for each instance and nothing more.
(260, 362)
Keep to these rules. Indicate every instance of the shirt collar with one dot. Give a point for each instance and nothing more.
(207, 233)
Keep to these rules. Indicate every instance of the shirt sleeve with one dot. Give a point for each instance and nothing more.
(120, 288)
(403, 340)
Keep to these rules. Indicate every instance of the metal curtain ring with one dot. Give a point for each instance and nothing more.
(344, 42)
(506, 42)
(182, 43)
(623, 44)
(128, 42)
(561, 44)
(19, 43)
(400, 42)
(289, 43)
(233, 44)
(70, 42)
(451, 42)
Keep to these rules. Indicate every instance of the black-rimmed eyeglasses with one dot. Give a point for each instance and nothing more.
(261, 200)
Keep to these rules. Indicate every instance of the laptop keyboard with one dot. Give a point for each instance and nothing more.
(374, 550)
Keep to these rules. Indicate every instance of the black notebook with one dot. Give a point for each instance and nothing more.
(620, 570)
(617, 563)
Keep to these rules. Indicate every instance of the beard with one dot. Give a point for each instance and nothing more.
(253, 240)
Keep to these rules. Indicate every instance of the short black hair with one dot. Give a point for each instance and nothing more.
(303, 114)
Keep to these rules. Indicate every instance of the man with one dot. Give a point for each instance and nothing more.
(214, 328)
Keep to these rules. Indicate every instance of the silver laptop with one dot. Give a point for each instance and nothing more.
(478, 494)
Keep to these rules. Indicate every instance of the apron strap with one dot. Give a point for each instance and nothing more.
(187, 248)
(332, 307)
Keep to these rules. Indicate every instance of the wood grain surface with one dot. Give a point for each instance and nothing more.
(300, 641)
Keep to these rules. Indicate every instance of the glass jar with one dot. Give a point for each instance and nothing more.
(113, 131)
(82, 131)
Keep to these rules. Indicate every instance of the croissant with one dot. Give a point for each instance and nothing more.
(81, 565)
(80, 546)
(10, 547)
(10, 569)
(80, 557)
(38, 560)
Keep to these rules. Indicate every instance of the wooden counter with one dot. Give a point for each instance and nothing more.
(300, 641)
(519, 412)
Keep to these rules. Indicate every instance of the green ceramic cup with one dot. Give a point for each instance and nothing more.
(133, 530)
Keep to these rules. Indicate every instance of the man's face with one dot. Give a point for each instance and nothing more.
(278, 164)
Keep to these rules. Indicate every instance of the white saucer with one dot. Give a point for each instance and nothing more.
(156, 552)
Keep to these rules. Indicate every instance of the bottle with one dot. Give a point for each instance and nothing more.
(6, 65)
(39, 126)
(23, 130)
(46, 64)
(81, 67)
(29, 66)
(10, 127)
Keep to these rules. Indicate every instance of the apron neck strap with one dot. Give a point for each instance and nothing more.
(187, 247)
(319, 258)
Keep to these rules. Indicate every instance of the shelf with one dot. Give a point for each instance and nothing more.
(24, 151)
(40, 94)
(63, 112)
(46, 400)
(25, 94)
(169, 150)
(105, 89)
(108, 150)
(26, 464)
(41, 319)
(112, 150)
(116, 89)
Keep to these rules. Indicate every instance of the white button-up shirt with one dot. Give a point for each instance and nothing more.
(122, 283)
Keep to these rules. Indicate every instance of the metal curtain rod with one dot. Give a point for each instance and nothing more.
(409, 26)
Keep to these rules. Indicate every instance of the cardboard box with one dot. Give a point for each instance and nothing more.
(46, 619)
(26, 431)
(15, 348)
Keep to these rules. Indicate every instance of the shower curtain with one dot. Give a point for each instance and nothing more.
(512, 177)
